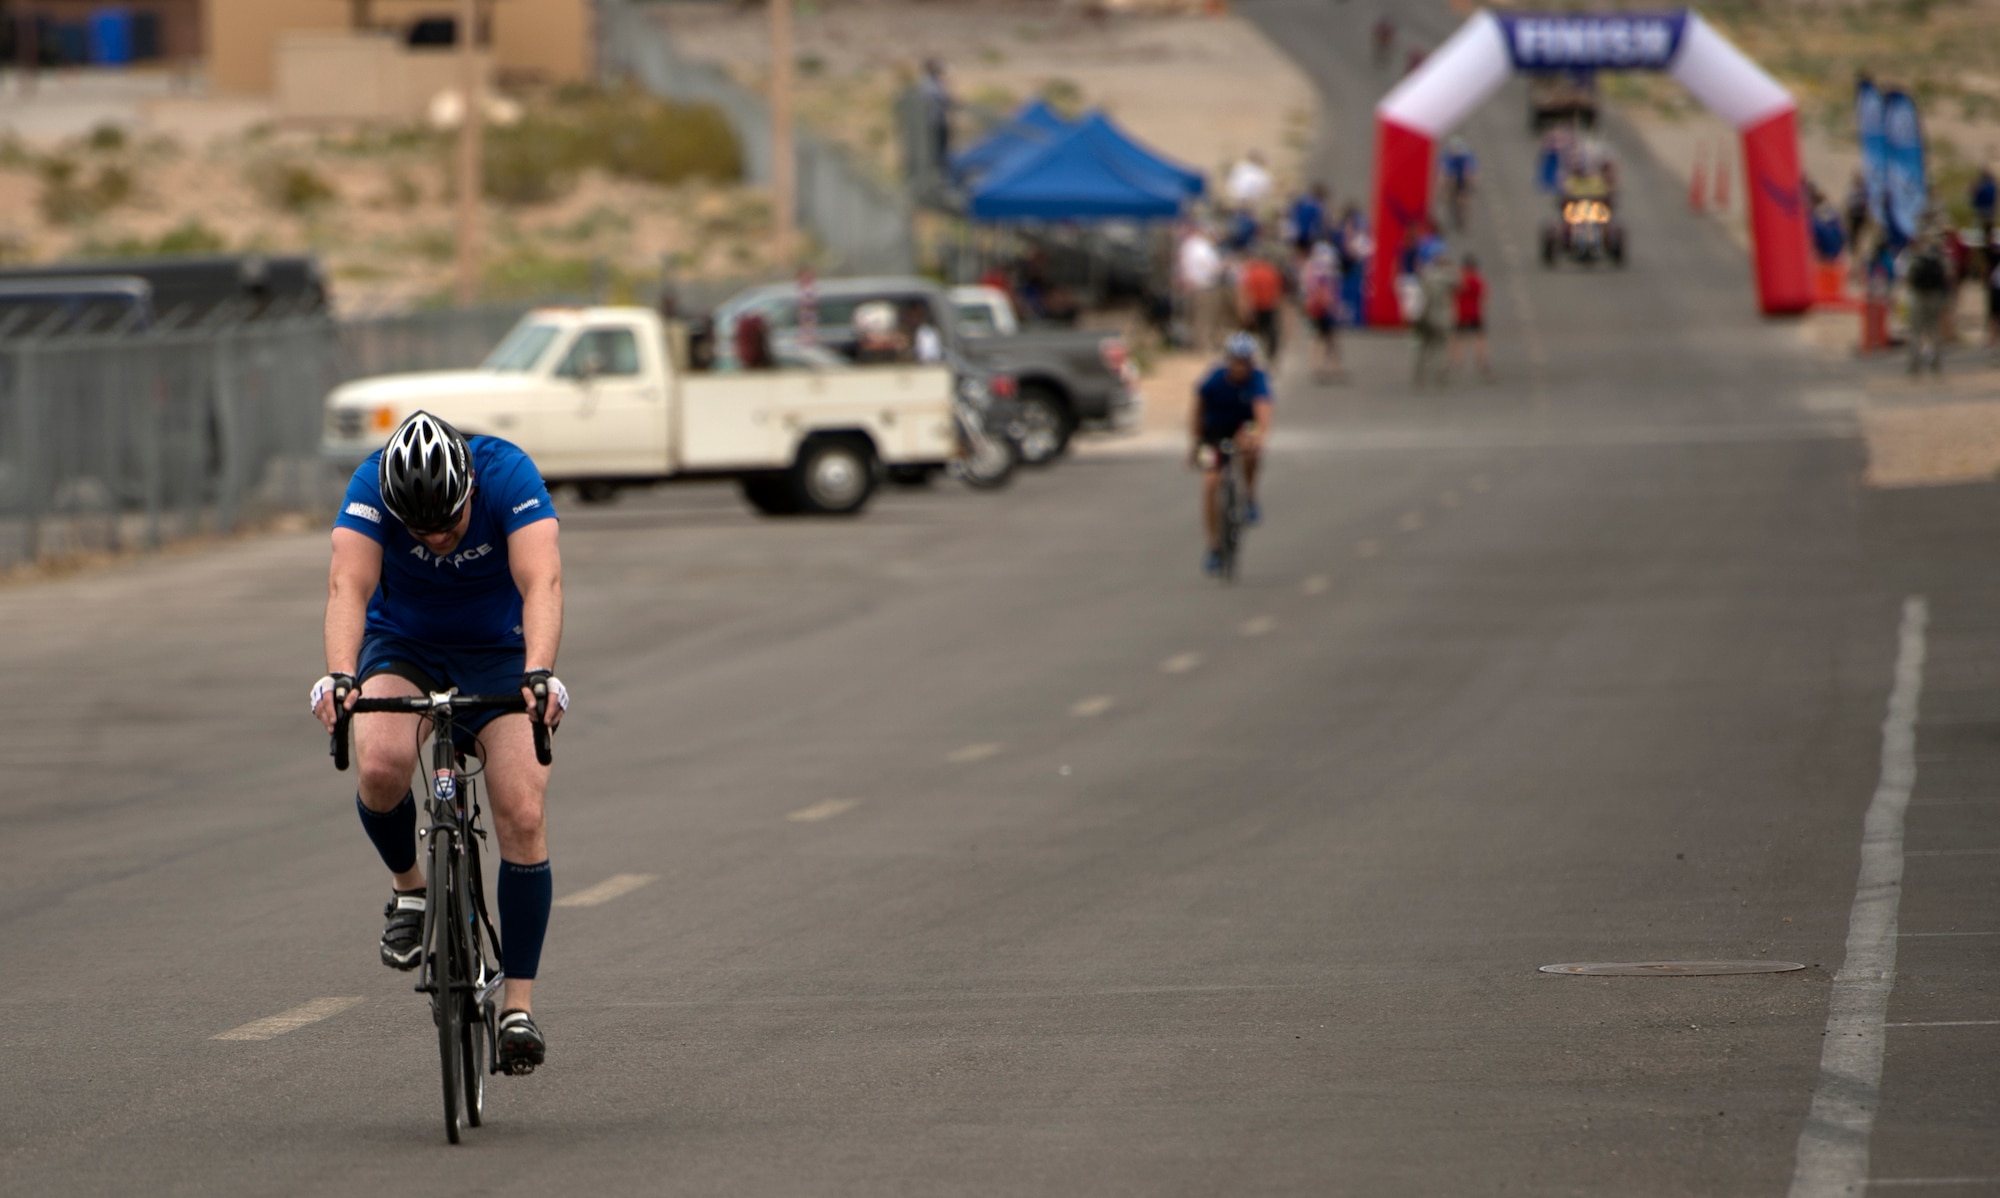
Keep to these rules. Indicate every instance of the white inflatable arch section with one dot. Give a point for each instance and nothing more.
(1461, 74)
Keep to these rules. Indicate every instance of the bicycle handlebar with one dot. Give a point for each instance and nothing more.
(419, 704)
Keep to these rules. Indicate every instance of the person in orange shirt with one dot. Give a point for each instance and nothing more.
(1260, 296)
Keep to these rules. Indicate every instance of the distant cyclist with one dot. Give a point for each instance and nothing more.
(1232, 403)
(446, 573)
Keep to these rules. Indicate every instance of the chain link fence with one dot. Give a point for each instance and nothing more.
(111, 444)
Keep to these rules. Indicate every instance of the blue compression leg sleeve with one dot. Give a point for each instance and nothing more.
(525, 896)
(394, 832)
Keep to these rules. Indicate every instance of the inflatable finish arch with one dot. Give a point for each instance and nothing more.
(1477, 59)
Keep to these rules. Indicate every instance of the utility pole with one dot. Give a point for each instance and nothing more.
(471, 185)
(784, 163)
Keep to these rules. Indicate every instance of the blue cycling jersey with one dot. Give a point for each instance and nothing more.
(1227, 406)
(467, 598)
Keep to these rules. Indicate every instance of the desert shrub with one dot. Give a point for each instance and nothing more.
(1063, 95)
(70, 197)
(106, 138)
(291, 186)
(191, 236)
(625, 133)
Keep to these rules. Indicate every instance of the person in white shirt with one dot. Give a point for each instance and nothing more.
(1250, 182)
(1200, 272)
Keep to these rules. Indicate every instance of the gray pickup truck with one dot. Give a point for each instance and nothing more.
(1068, 378)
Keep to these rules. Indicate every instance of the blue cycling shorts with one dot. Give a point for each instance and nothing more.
(435, 667)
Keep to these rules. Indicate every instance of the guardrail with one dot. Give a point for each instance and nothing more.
(129, 442)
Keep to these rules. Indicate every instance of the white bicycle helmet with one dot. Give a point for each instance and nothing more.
(426, 473)
(1240, 345)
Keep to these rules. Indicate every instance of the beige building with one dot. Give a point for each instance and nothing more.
(531, 40)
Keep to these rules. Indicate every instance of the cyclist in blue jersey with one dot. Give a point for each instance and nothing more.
(1233, 403)
(446, 573)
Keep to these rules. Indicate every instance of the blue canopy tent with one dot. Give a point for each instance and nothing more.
(1035, 125)
(1076, 177)
(1123, 148)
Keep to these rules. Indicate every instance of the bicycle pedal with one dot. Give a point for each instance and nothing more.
(517, 1069)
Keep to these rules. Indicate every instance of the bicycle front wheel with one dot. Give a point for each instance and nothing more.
(448, 967)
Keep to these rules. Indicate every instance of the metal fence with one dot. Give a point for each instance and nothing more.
(860, 222)
(117, 443)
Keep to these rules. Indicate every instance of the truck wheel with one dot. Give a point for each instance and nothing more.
(1045, 425)
(834, 476)
(597, 492)
(770, 494)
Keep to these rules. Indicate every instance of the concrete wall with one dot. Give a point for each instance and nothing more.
(539, 39)
(361, 76)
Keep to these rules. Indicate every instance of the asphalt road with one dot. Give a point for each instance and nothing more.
(990, 849)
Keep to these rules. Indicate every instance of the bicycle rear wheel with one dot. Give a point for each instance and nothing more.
(1232, 524)
(448, 976)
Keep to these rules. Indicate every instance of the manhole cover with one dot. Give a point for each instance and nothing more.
(1682, 969)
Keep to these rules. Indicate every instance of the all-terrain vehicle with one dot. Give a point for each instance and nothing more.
(1584, 228)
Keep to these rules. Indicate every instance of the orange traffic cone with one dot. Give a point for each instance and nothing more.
(1698, 185)
(1722, 181)
(1830, 287)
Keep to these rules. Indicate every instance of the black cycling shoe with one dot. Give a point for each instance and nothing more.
(521, 1044)
(403, 938)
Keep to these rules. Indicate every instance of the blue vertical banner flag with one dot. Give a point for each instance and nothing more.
(1874, 149)
(1909, 193)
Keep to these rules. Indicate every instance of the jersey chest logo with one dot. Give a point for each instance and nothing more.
(456, 560)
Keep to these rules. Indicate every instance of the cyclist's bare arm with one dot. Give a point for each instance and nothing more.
(536, 563)
(350, 583)
(1261, 411)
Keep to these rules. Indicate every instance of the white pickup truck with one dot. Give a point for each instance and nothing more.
(603, 397)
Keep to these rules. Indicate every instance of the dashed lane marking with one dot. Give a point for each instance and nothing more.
(615, 886)
(1950, 1023)
(1367, 548)
(822, 810)
(1411, 521)
(1095, 705)
(1180, 663)
(272, 1026)
(1258, 625)
(971, 753)
(1316, 585)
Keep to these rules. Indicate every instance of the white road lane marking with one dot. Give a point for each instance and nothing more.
(1180, 663)
(615, 886)
(1095, 705)
(1258, 625)
(822, 810)
(1411, 521)
(1950, 1023)
(272, 1026)
(1833, 1146)
(971, 753)
(1316, 585)
(1367, 548)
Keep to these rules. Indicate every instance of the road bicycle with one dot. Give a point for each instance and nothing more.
(462, 966)
(1229, 508)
